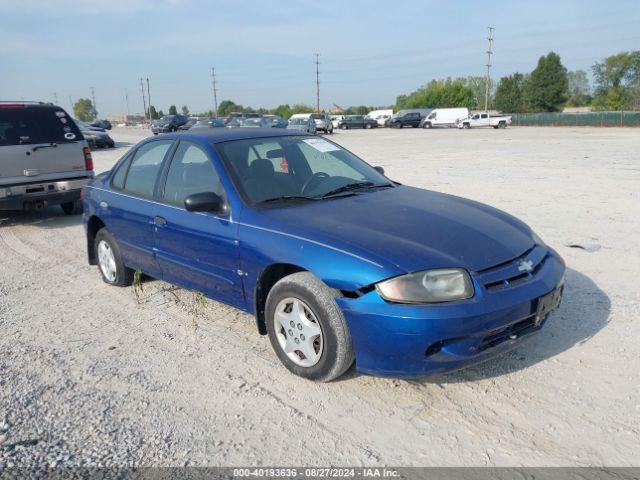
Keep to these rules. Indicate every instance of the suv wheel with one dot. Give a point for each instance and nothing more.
(110, 263)
(307, 329)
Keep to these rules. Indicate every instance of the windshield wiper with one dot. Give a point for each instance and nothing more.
(353, 186)
(284, 198)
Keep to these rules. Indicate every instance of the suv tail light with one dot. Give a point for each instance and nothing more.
(88, 160)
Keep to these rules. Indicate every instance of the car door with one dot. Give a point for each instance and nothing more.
(128, 212)
(484, 119)
(196, 250)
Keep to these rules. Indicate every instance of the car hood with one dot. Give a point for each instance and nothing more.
(408, 228)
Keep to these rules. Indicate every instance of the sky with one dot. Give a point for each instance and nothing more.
(264, 51)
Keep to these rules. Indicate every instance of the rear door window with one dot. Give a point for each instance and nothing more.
(145, 167)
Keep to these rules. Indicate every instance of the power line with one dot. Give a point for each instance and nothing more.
(318, 82)
(215, 92)
(488, 79)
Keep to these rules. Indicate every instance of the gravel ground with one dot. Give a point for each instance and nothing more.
(94, 375)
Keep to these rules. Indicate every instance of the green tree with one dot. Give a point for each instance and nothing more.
(153, 113)
(579, 89)
(185, 111)
(478, 85)
(438, 94)
(227, 106)
(173, 110)
(617, 81)
(509, 94)
(84, 110)
(283, 111)
(547, 87)
(160, 114)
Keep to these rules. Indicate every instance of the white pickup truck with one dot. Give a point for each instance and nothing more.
(483, 119)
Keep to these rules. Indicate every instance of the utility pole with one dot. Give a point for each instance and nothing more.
(144, 103)
(318, 82)
(149, 98)
(215, 92)
(126, 99)
(93, 99)
(488, 79)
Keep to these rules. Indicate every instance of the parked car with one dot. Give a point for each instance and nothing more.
(357, 121)
(95, 137)
(168, 123)
(323, 122)
(302, 124)
(483, 119)
(335, 120)
(44, 159)
(409, 119)
(445, 117)
(105, 124)
(381, 116)
(210, 123)
(190, 123)
(307, 237)
(276, 121)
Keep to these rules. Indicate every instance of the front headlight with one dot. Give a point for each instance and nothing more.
(430, 286)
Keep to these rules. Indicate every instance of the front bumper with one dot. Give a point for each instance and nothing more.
(414, 340)
(36, 195)
(164, 129)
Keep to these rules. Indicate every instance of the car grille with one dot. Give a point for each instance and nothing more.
(511, 332)
(514, 272)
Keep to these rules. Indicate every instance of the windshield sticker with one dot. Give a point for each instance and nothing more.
(60, 114)
(70, 136)
(321, 145)
(63, 120)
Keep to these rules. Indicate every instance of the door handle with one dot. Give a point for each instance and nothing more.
(160, 221)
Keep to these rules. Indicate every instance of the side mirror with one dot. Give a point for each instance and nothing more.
(205, 202)
(379, 169)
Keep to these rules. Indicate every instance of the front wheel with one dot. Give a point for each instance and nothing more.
(112, 268)
(307, 329)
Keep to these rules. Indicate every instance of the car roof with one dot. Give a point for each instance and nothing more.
(219, 135)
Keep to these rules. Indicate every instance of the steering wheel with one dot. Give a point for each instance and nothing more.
(312, 178)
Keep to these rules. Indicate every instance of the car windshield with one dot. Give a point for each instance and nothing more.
(317, 116)
(279, 169)
(252, 122)
(299, 121)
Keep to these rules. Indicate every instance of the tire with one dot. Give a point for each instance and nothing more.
(123, 276)
(428, 125)
(466, 126)
(502, 125)
(496, 126)
(333, 346)
(71, 208)
(366, 125)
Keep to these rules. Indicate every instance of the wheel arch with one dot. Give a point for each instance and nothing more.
(94, 224)
(268, 277)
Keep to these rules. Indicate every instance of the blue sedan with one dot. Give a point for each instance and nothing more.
(337, 262)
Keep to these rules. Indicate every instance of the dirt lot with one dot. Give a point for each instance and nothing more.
(96, 375)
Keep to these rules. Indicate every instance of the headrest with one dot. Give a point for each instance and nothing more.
(277, 153)
(262, 167)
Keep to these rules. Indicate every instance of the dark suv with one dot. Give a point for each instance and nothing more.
(168, 123)
(357, 121)
(44, 158)
(408, 119)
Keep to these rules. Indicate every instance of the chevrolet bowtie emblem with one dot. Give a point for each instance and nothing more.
(525, 266)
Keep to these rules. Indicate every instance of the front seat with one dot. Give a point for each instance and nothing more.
(261, 183)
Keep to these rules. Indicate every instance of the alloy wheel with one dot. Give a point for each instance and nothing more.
(107, 261)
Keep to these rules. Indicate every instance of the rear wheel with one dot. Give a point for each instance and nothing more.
(466, 126)
(112, 268)
(307, 329)
(502, 125)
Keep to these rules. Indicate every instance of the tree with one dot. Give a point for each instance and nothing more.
(617, 81)
(153, 113)
(84, 110)
(160, 114)
(227, 106)
(283, 111)
(173, 110)
(579, 89)
(185, 111)
(509, 94)
(547, 87)
(438, 94)
(478, 86)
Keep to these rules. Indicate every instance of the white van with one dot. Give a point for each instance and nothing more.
(380, 116)
(445, 117)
